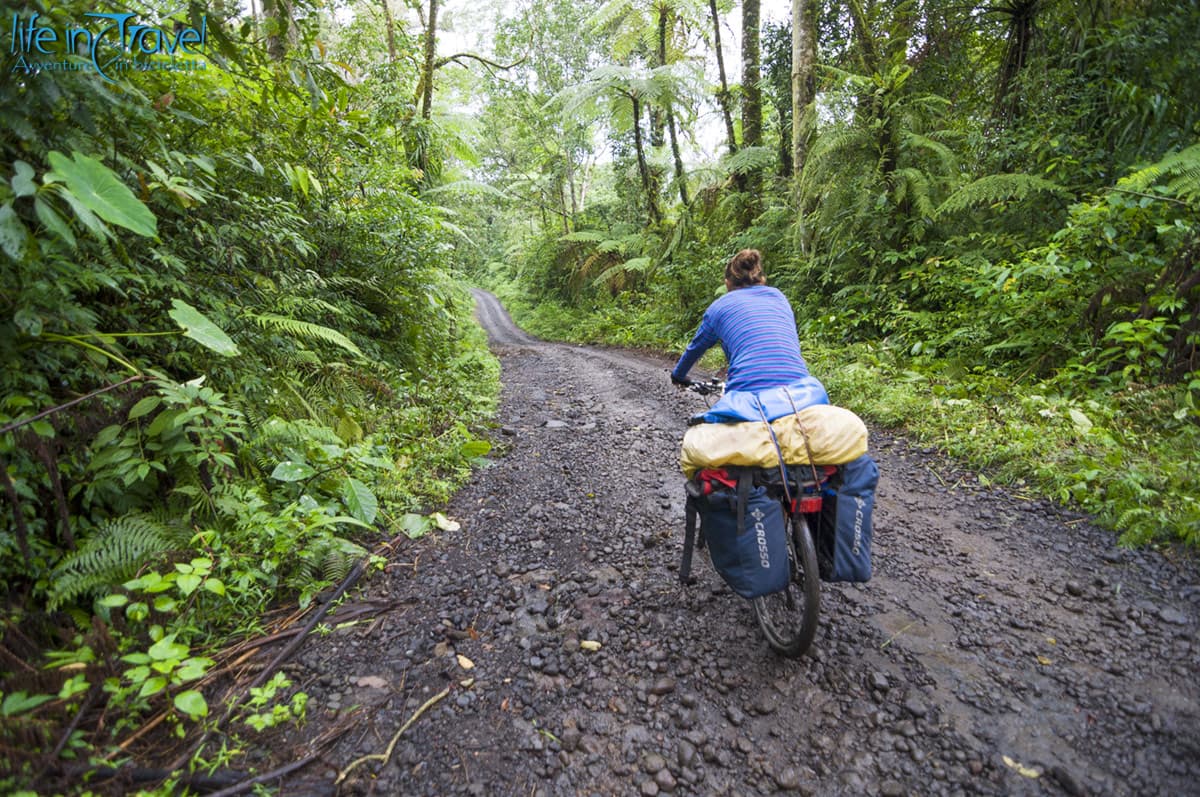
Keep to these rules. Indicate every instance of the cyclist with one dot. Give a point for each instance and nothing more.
(756, 328)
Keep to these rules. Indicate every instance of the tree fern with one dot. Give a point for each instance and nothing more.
(113, 555)
(637, 265)
(749, 160)
(1183, 167)
(998, 188)
(584, 236)
(304, 329)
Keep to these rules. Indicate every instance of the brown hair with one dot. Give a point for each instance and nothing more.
(745, 269)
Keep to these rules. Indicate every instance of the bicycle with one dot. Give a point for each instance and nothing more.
(788, 618)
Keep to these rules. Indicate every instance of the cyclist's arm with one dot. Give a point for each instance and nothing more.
(705, 338)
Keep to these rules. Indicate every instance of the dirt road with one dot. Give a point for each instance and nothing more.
(1003, 647)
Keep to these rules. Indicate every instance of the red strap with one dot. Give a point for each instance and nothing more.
(710, 475)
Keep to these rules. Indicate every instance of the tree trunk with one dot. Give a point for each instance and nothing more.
(1021, 30)
(391, 31)
(657, 116)
(643, 167)
(680, 175)
(723, 93)
(751, 94)
(278, 15)
(804, 57)
(868, 57)
(430, 53)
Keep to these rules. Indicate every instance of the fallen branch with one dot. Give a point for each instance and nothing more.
(250, 783)
(386, 756)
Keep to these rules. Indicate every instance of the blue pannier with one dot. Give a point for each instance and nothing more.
(748, 549)
(844, 527)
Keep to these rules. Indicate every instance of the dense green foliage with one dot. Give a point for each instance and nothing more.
(995, 216)
(239, 253)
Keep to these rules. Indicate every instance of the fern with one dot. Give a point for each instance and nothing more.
(1182, 166)
(305, 329)
(913, 185)
(584, 236)
(637, 265)
(749, 160)
(337, 557)
(112, 555)
(998, 188)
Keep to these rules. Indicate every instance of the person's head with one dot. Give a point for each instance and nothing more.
(744, 270)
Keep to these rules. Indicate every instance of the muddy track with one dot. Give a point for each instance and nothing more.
(1003, 647)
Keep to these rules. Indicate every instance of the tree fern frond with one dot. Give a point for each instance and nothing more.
(751, 159)
(945, 156)
(584, 236)
(997, 188)
(305, 329)
(1182, 166)
(913, 185)
(637, 265)
(112, 555)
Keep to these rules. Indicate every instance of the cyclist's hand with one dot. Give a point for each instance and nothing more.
(679, 381)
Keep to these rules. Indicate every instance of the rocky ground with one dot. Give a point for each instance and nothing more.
(1004, 646)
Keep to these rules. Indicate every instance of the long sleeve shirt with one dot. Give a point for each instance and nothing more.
(757, 331)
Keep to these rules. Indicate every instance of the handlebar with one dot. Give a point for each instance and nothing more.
(707, 387)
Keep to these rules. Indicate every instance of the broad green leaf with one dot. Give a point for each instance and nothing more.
(167, 648)
(193, 668)
(19, 702)
(292, 471)
(415, 525)
(14, 238)
(114, 601)
(22, 179)
(1082, 422)
(99, 190)
(188, 583)
(86, 216)
(192, 703)
(144, 407)
(475, 448)
(215, 585)
(360, 500)
(197, 327)
(153, 686)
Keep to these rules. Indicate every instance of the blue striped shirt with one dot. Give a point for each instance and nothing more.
(757, 331)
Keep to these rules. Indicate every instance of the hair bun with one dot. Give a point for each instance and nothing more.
(745, 268)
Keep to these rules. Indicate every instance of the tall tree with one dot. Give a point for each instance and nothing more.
(804, 57)
(723, 97)
(391, 31)
(751, 69)
(430, 58)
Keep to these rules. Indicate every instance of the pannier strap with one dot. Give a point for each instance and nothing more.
(783, 476)
(804, 436)
(689, 541)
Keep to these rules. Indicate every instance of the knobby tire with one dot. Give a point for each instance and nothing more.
(788, 619)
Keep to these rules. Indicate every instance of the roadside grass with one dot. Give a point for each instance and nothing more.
(1128, 458)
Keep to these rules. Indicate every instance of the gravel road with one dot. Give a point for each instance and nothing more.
(1004, 647)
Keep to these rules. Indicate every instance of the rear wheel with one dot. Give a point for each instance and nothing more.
(789, 618)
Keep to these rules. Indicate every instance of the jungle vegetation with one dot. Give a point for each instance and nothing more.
(236, 347)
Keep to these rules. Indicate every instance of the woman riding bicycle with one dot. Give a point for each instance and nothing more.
(756, 328)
